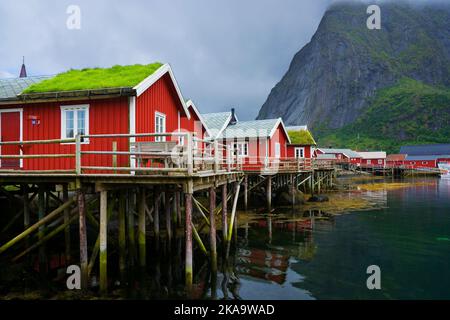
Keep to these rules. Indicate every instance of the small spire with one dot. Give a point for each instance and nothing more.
(23, 70)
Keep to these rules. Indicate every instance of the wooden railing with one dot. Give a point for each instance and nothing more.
(143, 153)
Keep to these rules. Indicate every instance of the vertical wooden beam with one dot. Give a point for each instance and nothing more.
(122, 236)
(212, 228)
(26, 210)
(224, 213)
(168, 207)
(156, 213)
(188, 226)
(245, 192)
(83, 238)
(178, 206)
(103, 241)
(141, 228)
(269, 192)
(41, 232)
(131, 235)
(65, 196)
(293, 189)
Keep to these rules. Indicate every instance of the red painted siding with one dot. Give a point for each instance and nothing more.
(160, 97)
(105, 116)
(291, 150)
(421, 163)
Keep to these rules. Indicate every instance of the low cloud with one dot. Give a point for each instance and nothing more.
(224, 54)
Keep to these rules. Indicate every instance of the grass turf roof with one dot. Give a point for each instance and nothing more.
(301, 137)
(95, 78)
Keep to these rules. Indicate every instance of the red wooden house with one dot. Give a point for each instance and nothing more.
(373, 158)
(257, 145)
(395, 160)
(302, 144)
(342, 155)
(426, 156)
(154, 104)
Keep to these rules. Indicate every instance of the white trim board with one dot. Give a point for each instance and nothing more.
(158, 74)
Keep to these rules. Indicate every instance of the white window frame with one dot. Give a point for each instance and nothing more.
(277, 150)
(369, 161)
(161, 116)
(65, 108)
(241, 146)
(302, 151)
(380, 161)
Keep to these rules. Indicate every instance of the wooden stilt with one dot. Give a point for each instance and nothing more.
(156, 213)
(65, 196)
(212, 228)
(141, 227)
(269, 192)
(41, 232)
(131, 225)
(224, 213)
(293, 189)
(178, 207)
(245, 192)
(168, 207)
(122, 236)
(103, 241)
(83, 239)
(26, 210)
(188, 226)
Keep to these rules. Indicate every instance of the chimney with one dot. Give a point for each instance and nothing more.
(233, 117)
(23, 70)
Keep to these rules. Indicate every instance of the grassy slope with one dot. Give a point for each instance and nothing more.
(407, 113)
(96, 78)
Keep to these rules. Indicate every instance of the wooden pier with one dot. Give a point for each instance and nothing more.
(149, 189)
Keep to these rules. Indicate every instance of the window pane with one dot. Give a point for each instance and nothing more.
(69, 123)
(81, 121)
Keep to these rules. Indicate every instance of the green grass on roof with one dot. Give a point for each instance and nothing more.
(95, 78)
(301, 137)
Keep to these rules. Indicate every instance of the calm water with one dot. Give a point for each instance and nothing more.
(280, 257)
(409, 240)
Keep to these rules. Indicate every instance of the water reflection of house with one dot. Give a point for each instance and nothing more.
(263, 264)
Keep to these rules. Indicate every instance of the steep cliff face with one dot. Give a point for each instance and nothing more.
(332, 81)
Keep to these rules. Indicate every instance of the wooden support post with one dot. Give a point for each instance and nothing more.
(212, 228)
(65, 196)
(188, 226)
(26, 210)
(224, 213)
(103, 241)
(245, 192)
(41, 232)
(156, 213)
(131, 234)
(168, 216)
(83, 239)
(141, 227)
(293, 189)
(122, 236)
(269, 192)
(178, 206)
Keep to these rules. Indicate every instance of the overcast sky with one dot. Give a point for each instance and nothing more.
(224, 53)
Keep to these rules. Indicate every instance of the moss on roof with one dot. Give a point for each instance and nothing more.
(95, 78)
(301, 137)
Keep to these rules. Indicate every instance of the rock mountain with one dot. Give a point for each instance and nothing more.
(342, 76)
